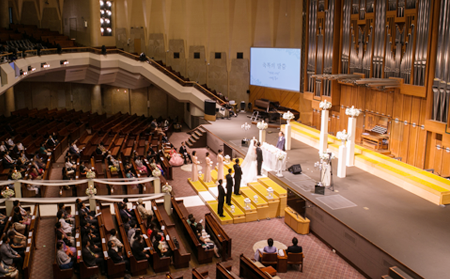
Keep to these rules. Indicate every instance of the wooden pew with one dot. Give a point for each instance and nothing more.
(199, 275)
(203, 256)
(223, 272)
(31, 243)
(115, 270)
(219, 236)
(137, 267)
(85, 271)
(159, 264)
(181, 257)
(247, 269)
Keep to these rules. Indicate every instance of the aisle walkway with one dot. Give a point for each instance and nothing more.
(44, 255)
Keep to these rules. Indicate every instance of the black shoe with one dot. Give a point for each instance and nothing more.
(222, 215)
(229, 204)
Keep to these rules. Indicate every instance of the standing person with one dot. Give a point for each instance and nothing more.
(220, 174)
(281, 141)
(259, 158)
(194, 167)
(229, 186)
(208, 168)
(183, 151)
(220, 199)
(237, 177)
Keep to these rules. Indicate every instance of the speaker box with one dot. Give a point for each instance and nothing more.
(210, 107)
(295, 169)
(319, 189)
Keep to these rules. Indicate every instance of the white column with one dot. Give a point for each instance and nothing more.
(262, 135)
(9, 206)
(18, 189)
(167, 203)
(341, 170)
(157, 185)
(351, 141)
(324, 131)
(287, 136)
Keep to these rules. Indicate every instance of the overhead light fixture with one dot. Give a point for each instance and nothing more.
(106, 18)
(45, 65)
(64, 62)
(31, 69)
(101, 3)
(108, 3)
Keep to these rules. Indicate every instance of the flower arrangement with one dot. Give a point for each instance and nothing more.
(281, 156)
(91, 191)
(16, 175)
(343, 136)
(325, 105)
(288, 115)
(8, 193)
(90, 174)
(352, 112)
(262, 125)
(227, 159)
(153, 165)
(326, 156)
(246, 126)
(156, 172)
(167, 188)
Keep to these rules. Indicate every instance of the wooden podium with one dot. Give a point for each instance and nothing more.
(299, 224)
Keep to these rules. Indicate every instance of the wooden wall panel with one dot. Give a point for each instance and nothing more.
(389, 104)
(398, 106)
(361, 97)
(438, 160)
(445, 169)
(413, 130)
(395, 137)
(286, 98)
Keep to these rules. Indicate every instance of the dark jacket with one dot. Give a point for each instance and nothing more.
(88, 258)
(237, 171)
(294, 249)
(229, 181)
(115, 257)
(259, 155)
(138, 250)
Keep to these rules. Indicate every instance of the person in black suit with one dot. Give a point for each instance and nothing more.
(183, 151)
(220, 199)
(92, 259)
(259, 158)
(294, 248)
(229, 186)
(237, 177)
(138, 247)
(115, 257)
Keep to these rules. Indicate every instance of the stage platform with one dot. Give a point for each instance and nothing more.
(369, 221)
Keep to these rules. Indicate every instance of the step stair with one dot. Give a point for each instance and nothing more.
(197, 138)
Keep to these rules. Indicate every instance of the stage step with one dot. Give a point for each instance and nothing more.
(278, 191)
(197, 138)
(223, 220)
(251, 214)
(397, 273)
(197, 185)
(261, 205)
(273, 203)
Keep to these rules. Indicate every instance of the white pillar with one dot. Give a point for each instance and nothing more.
(9, 206)
(262, 135)
(351, 141)
(341, 170)
(287, 136)
(157, 185)
(18, 189)
(167, 203)
(324, 131)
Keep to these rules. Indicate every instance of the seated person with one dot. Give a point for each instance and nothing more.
(22, 210)
(113, 164)
(130, 174)
(128, 166)
(183, 151)
(64, 261)
(18, 218)
(140, 165)
(10, 144)
(100, 150)
(83, 169)
(83, 208)
(138, 247)
(23, 158)
(51, 142)
(66, 227)
(150, 228)
(35, 174)
(117, 243)
(73, 150)
(124, 212)
(115, 257)
(175, 158)
(143, 212)
(70, 239)
(160, 245)
(3, 147)
(8, 255)
(17, 241)
(8, 271)
(69, 218)
(89, 218)
(294, 248)
(268, 249)
(70, 250)
(205, 240)
(150, 154)
(70, 166)
(8, 162)
(92, 259)
(19, 147)
(38, 162)
(94, 239)
(3, 220)
(43, 151)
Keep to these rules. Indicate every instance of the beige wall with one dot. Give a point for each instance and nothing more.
(104, 99)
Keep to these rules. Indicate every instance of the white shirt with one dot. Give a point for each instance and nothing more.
(20, 146)
(69, 165)
(117, 242)
(3, 148)
(67, 228)
(10, 142)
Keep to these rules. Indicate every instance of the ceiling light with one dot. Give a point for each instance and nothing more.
(64, 62)
(45, 65)
(31, 69)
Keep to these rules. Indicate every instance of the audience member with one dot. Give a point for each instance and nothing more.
(113, 238)
(64, 261)
(268, 249)
(294, 248)
(92, 259)
(143, 212)
(116, 258)
(8, 255)
(205, 240)
(138, 247)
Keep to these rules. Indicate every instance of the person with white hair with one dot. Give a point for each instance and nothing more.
(143, 212)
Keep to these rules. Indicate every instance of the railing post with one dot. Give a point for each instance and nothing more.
(9, 206)
(18, 189)
(157, 185)
(167, 203)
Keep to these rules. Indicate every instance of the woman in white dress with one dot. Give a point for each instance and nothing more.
(249, 165)
(208, 168)
(194, 167)
(220, 165)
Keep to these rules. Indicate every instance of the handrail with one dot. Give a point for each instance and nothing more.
(150, 61)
